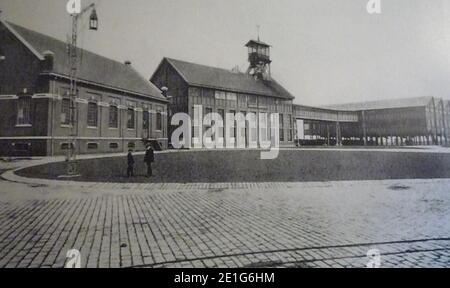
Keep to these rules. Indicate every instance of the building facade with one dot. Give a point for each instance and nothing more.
(221, 91)
(115, 107)
(394, 122)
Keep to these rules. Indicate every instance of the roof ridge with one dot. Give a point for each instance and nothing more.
(204, 65)
(220, 78)
(380, 100)
(61, 41)
(98, 69)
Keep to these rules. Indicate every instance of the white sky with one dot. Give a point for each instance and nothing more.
(324, 51)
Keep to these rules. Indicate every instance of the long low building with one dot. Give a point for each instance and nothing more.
(409, 121)
(115, 108)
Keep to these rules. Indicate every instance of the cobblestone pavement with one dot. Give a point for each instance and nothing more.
(330, 224)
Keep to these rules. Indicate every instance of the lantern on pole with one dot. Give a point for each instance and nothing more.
(93, 20)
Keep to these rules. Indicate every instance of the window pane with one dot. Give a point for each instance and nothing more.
(130, 119)
(24, 111)
(92, 114)
(252, 100)
(159, 121)
(221, 112)
(65, 112)
(146, 120)
(113, 117)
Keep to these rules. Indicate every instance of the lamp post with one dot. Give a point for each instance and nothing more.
(169, 113)
(2, 55)
(73, 93)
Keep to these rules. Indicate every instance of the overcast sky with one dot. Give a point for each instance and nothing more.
(324, 51)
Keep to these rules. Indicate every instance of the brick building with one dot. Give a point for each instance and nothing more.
(224, 91)
(116, 108)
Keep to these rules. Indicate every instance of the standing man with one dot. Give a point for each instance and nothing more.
(149, 159)
(130, 159)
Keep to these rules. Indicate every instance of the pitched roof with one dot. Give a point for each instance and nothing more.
(218, 78)
(383, 104)
(93, 68)
(256, 42)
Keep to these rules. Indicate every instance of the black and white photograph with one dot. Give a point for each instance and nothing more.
(240, 135)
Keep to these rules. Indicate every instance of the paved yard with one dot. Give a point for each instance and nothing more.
(330, 224)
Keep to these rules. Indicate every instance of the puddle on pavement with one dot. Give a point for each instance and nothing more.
(399, 187)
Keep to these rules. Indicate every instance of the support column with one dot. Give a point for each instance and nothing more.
(338, 134)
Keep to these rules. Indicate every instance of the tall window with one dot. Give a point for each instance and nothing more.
(221, 112)
(24, 111)
(281, 128)
(253, 127)
(233, 125)
(263, 127)
(113, 117)
(208, 116)
(291, 127)
(92, 120)
(159, 121)
(146, 120)
(65, 112)
(130, 118)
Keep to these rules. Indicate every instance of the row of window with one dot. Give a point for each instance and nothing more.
(94, 145)
(231, 99)
(92, 119)
(264, 118)
(68, 115)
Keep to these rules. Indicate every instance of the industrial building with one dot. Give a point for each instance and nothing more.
(224, 91)
(414, 121)
(116, 108)
(394, 122)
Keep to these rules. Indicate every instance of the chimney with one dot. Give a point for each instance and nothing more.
(128, 63)
(49, 57)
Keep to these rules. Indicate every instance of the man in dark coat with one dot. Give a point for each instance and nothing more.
(130, 160)
(149, 159)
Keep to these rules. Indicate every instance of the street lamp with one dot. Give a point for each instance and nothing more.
(73, 62)
(2, 55)
(164, 90)
(93, 20)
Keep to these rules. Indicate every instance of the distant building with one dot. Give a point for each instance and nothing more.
(116, 108)
(410, 121)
